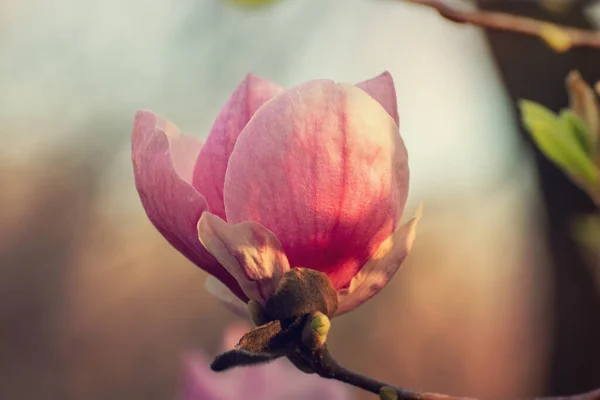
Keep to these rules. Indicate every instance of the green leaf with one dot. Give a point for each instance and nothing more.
(586, 230)
(557, 141)
(584, 104)
(578, 128)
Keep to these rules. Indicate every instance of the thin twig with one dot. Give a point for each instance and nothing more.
(324, 365)
(512, 23)
(302, 339)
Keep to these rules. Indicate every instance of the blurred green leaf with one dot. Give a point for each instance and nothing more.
(556, 6)
(587, 232)
(252, 3)
(576, 125)
(558, 141)
(584, 104)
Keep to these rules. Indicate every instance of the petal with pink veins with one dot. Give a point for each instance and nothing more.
(248, 251)
(377, 272)
(382, 89)
(211, 165)
(172, 205)
(324, 168)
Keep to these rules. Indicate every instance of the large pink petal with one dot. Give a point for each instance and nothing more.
(377, 272)
(323, 167)
(382, 89)
(248, 251)
(209, 173)
(172, 205)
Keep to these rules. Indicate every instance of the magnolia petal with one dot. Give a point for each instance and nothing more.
(211, 165)
(199, 382)
(248, 251)
(382, 89)
(172, 205)
(377, 272)
(322, 166)
(229, 300)
(285, 381)
(184, 153)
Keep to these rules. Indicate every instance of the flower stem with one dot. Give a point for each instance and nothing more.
(324, 365)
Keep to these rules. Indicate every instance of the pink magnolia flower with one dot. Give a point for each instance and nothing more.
(315, 176)
(274, 381)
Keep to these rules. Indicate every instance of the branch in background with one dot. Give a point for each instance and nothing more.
(560, 38)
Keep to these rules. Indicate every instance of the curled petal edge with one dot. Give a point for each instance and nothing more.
(162, 160)
(378, 271)
(251, 253)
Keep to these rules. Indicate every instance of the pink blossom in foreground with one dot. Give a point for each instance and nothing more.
(315, 176)
(274, 381)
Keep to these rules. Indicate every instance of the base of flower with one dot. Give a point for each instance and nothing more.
(302, 339)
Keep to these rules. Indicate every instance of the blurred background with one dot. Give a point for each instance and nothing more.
(498, 299)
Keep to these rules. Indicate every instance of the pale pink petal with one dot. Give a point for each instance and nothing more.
(285, 381)
(172, 205)
(323, 167)
(229, 300)
(184, 153)
(199, 382)
(211, 165)
(248, 251)
(382, 89)
(376, 273)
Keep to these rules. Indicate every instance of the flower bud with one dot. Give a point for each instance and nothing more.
(314, 334)
(388, 393)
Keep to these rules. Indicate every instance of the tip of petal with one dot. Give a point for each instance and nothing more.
(145, 115)
(412, 226)
(382, 89)
(251, 76)
(251, 79)
(386, 74)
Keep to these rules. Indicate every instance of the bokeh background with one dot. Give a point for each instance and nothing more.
(497, 300)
